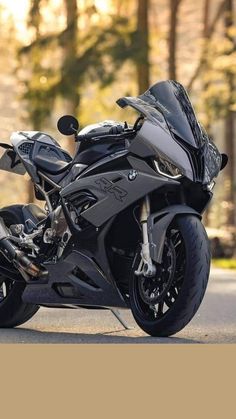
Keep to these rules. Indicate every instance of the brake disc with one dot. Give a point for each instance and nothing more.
(154, 289)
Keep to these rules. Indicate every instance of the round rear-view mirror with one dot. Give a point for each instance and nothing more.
(68, 125)
(224, 160)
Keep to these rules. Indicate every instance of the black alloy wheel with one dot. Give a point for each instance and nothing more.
(164, 304)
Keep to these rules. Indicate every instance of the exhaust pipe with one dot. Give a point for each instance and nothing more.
(17, 256)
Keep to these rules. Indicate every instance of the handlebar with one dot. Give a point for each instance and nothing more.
(115, 132)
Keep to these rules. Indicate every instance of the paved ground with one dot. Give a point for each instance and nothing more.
(215, 322)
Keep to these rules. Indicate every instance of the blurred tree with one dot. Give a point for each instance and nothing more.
(38, 71)
(173, 22)
(34, 93)
(69, 65)
(94, 54)
(39, 75)
(142, 56)
(219, 99)
(208, 33)
(205, 36)
(69, 82)
(12, 186)
(66, 75)
(216, 72)
(230, 116)
(130, 43)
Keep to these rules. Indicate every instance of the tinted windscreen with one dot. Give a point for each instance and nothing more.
(169, 99)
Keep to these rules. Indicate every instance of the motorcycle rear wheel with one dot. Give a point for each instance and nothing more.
(165, 304)
(13, 311)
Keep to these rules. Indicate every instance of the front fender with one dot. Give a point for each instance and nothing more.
(158, 224)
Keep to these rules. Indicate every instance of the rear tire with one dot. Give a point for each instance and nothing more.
(176, 300)
(13, 311)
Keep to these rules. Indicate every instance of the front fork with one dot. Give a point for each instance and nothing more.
(146, 266)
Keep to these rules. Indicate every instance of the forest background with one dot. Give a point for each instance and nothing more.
(79, 56)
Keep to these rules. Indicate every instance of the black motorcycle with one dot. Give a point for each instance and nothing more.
(122, 225)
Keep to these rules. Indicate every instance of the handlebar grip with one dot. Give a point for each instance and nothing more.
(90, 135)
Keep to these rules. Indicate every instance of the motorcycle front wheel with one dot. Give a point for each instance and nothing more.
(164, 304)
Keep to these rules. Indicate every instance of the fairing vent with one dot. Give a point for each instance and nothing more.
(25, 148)
(80, 202)
(67, 290)
(78, 273)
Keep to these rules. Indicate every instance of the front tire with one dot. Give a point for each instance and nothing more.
(165, 304)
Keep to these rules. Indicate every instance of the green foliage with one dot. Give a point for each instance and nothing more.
(104, 51)
(39, 78)
(218, 98)
(101, 51)
(224, 263)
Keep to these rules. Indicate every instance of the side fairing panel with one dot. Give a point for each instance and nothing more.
(114, 191)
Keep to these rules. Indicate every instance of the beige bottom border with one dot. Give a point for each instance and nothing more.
(117, 381)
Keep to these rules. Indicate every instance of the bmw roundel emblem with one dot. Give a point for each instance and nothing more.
(132, 174)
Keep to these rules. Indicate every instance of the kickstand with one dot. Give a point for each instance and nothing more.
(116, 313)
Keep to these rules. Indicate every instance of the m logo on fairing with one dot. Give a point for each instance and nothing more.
(109, 187)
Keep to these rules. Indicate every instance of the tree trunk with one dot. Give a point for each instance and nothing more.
(206, 38)
(208, 35)
(207, 5)
(34, 21)
(70, 55)
(143, 75)
(205, 33)
(72, 29)
(229, 125)
(174, 7)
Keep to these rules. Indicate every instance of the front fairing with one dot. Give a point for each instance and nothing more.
(166, 106)
(146, 145)
(212, 162)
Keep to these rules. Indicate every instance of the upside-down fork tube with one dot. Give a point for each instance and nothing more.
(16, 256)
(148, 268)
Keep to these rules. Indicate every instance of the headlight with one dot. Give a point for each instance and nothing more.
(164, 167)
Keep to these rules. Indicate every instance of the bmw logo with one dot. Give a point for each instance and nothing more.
(132, 174)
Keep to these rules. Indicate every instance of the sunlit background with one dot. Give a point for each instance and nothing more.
(68, 56)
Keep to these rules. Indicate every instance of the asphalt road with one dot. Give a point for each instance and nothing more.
(215, 322)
